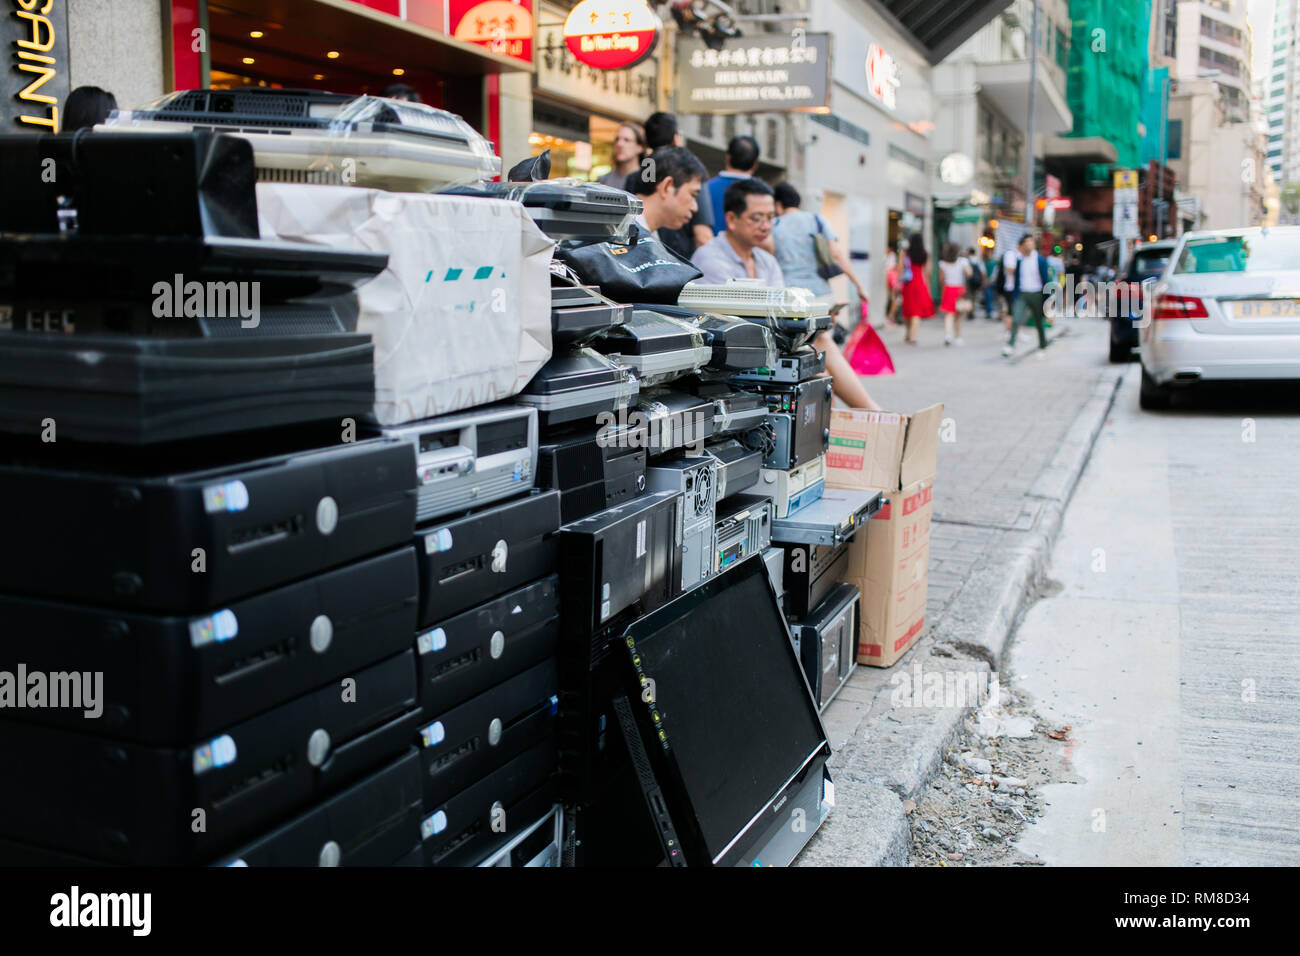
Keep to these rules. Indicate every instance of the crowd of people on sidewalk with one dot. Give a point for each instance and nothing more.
(1012, 288)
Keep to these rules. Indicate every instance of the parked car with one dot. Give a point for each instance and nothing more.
(1226, 309)
(1149, 261)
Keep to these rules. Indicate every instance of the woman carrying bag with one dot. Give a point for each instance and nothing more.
(806, 248)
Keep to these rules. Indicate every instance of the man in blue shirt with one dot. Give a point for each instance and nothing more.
(742, 163)
(1032, 276)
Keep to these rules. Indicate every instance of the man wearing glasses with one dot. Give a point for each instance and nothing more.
(736, 254)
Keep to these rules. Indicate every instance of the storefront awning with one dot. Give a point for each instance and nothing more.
(320, 25)
(938, 27)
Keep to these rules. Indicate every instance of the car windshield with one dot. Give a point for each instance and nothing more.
(1253, 253)
(1151, 263)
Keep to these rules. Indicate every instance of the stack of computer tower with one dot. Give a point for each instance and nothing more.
(485, 639)
(207, 580)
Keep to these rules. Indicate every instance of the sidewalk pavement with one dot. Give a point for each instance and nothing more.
(1017, 434)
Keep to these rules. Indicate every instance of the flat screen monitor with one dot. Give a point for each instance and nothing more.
(731, 720)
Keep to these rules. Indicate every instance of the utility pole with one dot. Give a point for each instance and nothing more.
(1029, 126)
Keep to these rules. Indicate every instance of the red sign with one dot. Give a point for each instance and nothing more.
(611, 34)
(502, 26)
(1064, 203)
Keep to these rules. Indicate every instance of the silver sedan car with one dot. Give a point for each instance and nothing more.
(1227, 308)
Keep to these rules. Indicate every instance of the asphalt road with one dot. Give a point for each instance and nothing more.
(1172, 648)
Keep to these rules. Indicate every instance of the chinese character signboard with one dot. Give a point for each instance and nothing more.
(767, 73)
(502, 26)
(611, 34)
(632, 93)
(35, 47)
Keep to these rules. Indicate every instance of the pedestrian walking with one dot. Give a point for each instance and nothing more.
(894, 283)
(955, 272)
(629, 148)
(741, 163)
(1007, 269)
(1032, 275)
(917, 302)
(794, 243)
(989, 265)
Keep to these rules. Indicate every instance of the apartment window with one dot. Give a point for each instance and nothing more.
(1175, 139)
(1062, 50)
(1220, 31)
(1171, 28)
(1279, 78)
(706, 126)
(771, 139)
(1214, 60)
(1276, 138)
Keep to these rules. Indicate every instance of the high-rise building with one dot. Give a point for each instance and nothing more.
(1214, 147)
(1280, 92)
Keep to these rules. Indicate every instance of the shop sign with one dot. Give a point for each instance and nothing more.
(501, 26)
(34, 36)
(631, 92)
(611, 34)
(1126, 179)
(764, 73)
(883, 76)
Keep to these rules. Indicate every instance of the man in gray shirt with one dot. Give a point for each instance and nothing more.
(736, 254)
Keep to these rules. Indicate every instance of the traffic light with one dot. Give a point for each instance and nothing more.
(1056, 249)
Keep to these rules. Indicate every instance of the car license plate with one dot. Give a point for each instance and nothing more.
(1267, 309)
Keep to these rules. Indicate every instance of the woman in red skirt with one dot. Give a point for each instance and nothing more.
(955, 273)
(917, 303)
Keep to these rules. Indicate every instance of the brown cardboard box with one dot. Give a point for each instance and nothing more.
(889, 560)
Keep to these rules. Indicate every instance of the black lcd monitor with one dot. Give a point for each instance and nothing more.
(725, 711)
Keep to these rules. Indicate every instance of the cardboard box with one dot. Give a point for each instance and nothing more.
(889, 560)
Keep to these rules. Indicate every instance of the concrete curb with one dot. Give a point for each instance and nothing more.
(897, 747)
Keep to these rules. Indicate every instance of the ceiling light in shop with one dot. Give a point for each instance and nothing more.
(248, 60)
(399, 72)
(318, 76)
(333, 54)
(256, 34)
